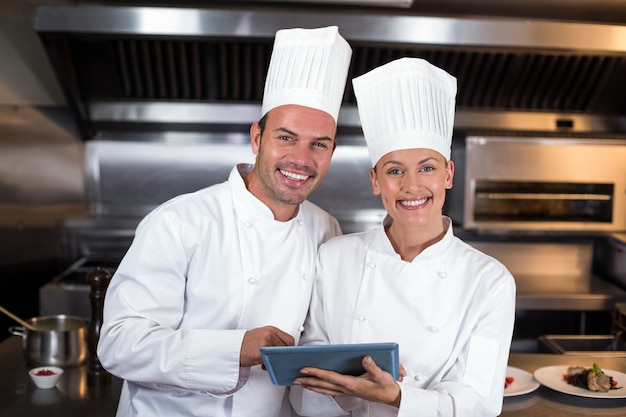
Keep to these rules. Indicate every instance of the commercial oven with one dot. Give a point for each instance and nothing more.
(545, 184)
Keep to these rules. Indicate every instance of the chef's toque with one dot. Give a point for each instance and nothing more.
(308, 67)
(405, 104)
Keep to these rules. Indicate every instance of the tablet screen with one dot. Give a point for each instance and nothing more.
(283, 363)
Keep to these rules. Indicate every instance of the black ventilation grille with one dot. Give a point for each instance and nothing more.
(514, 80)
(234, 71)
(171, 70)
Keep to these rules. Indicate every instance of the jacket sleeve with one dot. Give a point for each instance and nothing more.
(141, 339)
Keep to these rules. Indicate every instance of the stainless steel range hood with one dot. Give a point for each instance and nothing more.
(183, 72)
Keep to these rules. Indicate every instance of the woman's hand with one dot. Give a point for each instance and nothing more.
(374, 385)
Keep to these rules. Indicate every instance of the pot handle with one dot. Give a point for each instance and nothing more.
(17, 331)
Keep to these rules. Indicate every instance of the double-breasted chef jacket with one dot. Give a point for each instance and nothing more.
(202, 269)
(451, 310)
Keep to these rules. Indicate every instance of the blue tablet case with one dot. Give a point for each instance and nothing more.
(283, 363)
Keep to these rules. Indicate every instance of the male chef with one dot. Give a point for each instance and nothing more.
(214, 275)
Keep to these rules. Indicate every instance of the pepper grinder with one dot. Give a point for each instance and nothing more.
(99, 279)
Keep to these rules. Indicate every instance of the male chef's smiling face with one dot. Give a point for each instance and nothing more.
(293, 156)
(412, 184)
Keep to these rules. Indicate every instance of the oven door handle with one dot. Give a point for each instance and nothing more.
(541, 196)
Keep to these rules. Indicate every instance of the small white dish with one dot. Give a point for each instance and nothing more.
(523, 382)
(45, 377)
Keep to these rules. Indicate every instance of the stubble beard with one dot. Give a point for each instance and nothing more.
(277, 190)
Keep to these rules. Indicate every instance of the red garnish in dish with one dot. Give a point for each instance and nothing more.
(44, 372)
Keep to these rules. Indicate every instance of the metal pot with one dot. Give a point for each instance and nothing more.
(59, 340)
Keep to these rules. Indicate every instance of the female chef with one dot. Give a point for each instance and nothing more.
(449, 307)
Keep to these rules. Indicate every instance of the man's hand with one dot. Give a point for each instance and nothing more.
(257, 338)
(374, 385)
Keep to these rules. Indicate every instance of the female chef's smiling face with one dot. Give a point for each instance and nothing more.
(293, 156)
(412, 184)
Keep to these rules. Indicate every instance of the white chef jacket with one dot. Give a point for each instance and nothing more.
(451, 310)
(203, 268)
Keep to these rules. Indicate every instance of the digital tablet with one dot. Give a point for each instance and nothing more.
(283, 363)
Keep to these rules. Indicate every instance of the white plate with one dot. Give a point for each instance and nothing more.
(523, 382)
(552, 377)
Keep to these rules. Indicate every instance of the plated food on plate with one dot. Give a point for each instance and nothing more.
(583, 381)
(593, 379)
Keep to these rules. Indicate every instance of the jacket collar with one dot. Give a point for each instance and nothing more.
(383, 244)
(246, 203)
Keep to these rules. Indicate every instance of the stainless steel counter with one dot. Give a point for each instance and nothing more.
(567, 293)
(554, 276)
(73, 397)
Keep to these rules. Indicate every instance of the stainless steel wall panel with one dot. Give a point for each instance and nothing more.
(128, 179)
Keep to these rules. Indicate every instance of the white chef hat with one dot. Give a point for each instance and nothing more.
(407, 103)
(308, 67)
